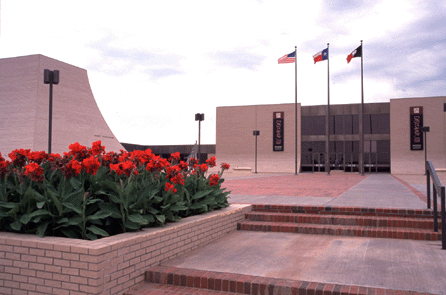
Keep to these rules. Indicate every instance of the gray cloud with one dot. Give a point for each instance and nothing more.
(412, 58)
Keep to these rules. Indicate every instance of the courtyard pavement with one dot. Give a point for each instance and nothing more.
(373, 262)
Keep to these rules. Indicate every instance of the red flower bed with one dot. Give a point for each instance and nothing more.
(88, 193)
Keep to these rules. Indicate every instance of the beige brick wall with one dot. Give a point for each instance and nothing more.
(112, 265)
(235, 143)
(24, 107)
(404, 160)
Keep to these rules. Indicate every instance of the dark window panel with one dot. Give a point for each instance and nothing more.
(355, 122)
(348, 121)
(383, 146)
(366, 120)
(319, 125)
(383, 123)
(383, 158)
(339, 124)
(319, 146)
(307, 125)
(306, 146)
(332, 125)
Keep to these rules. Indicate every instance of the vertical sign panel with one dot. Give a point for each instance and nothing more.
(278, 125)
(416, 128)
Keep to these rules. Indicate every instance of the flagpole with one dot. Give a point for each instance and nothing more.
(295, 109)
(327, 126)
(361, 146)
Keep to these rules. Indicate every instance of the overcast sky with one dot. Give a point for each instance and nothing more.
(153, 64)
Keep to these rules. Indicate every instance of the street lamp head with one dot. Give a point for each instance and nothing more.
(50, 77)
(426, 129)
(199, 117)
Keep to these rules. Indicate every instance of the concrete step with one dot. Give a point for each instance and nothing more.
(146, 288)
(341, 230)
(329, 210)
(348, 220)
(173, 280)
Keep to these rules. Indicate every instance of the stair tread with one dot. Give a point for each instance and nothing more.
(425, 213)
(289, 224)
(344, 220)
(248, 284)
(341, 216)
(146, 288)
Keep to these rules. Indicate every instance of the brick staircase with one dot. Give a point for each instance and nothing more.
(343, 221)
(166, 280)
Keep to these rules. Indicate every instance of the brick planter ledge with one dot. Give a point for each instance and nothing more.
(112, 265)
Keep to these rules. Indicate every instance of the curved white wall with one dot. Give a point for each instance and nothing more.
(24, 100)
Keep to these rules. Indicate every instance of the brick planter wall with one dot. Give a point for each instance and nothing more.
(112, 265)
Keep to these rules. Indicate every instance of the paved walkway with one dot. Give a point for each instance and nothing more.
(320, 189)
(381, 263)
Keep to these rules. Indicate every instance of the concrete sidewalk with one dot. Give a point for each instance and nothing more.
(380, 263)
(371, 191)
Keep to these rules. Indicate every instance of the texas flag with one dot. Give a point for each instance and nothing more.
(355, 53)
(288, 58)
(320, 56)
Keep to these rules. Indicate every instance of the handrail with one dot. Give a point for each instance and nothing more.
(437, 189)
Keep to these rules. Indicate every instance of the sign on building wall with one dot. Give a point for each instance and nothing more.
(278, 125)
(416, 128)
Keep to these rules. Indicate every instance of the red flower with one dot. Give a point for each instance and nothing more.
(72, 167)
(169, 187)
(211, 162)
(34, 171)
(178, 179)
(78, 151)
(91, 165)
(225, 166)
(18, 157)
(213, 180)
(53, 157)
(125, 167)
(174, 156)
(128, 167)
(117, 168)
(157, 164)
(203, 167)
(37, 157)
(141, 157)
(183, 165)
(97, 148)
(3, 166)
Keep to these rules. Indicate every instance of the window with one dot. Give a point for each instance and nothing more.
(339, 124)
(319, 125)
(307, 125)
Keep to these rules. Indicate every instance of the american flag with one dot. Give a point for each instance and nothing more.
(288, 58)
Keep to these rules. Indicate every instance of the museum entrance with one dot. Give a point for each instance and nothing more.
(344, 156)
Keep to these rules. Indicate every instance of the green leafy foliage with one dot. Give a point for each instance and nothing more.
(87, 194)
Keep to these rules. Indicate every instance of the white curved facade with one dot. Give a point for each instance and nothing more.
(24, 107)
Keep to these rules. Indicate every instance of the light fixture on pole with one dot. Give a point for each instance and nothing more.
(199, 117)
(256, 133)
(50, 77)
(425, 129)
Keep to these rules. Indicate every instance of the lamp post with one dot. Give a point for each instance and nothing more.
(256, 133)
(50, 77)
(425, 129)
(199, 117)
